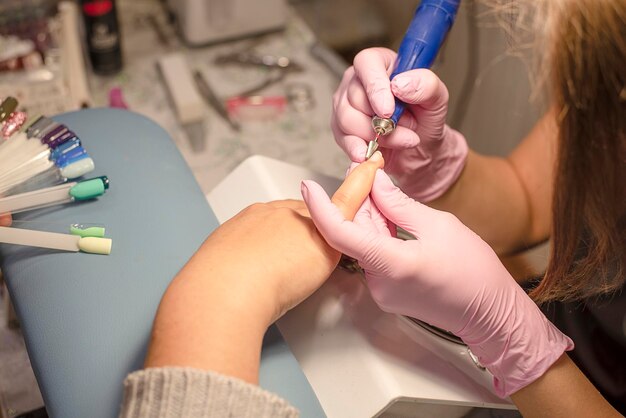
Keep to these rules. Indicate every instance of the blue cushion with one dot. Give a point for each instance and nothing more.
(87, 318)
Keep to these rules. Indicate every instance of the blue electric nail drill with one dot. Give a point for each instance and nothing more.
(420, 45)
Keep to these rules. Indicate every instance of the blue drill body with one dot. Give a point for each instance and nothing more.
(420, 45)
(430, 25)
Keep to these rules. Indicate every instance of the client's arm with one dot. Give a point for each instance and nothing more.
(213, 316)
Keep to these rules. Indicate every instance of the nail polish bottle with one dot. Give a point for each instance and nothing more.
(103, 36)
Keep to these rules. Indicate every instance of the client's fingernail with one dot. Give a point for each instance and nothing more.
(377, 157)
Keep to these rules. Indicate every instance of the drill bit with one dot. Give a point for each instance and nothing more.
(372, 147)
(382, 127)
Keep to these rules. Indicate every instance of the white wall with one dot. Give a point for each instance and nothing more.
(499, 111)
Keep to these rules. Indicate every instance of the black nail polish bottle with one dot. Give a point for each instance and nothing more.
(103, 36)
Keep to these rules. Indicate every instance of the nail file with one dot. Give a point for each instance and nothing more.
(218, 105)
(185, 98)
(177, 75)
(55, 241)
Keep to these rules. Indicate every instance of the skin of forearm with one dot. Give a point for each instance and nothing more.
(203, 324)
(563, 391)
(490, 199)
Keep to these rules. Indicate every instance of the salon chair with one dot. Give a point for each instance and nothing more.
(86, 319)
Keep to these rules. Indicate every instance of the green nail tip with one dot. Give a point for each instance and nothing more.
(92, 231)
(88, 189)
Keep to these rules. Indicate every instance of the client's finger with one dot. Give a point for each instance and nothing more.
(350, 195)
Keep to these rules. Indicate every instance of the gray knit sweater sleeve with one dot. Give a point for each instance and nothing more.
(174, 392)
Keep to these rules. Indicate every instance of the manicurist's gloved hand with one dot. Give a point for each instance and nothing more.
(423, 154)
(448, 277)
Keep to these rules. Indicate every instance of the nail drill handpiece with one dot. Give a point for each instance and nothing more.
(430, 25)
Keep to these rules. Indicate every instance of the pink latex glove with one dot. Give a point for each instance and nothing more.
(423, 154)
(448, 277)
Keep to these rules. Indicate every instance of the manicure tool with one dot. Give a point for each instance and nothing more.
(208, 94)
(159, 30)
(278, 66)
(274, 76)
(64, 193)
(430, 25)
(55, 241)
(184, 97)
(251, 58)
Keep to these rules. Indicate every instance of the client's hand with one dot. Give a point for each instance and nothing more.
(269, 257)
(5, 219)
(250, 271)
